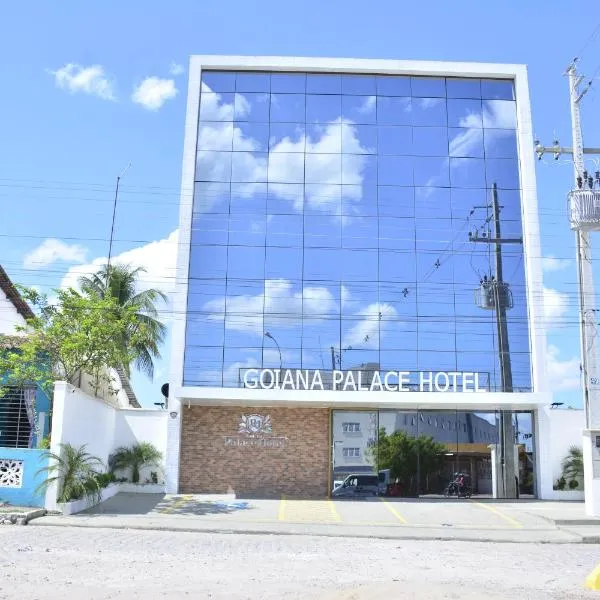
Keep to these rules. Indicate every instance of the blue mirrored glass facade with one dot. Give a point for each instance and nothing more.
(337, 213)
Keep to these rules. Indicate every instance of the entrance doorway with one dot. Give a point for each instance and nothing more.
(432, 453)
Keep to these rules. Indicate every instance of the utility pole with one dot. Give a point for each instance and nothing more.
(584, 216)
(114, 214)
(495, 294)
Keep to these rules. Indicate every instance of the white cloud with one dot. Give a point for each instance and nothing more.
(368, 106)
(153, 92)
(373, 322)
(176, 69)
(563, 375)
(556, 305)
(52, 250)
(89, 80)
(296, 158)
(282, 306)
(551, 263)
(158, 258)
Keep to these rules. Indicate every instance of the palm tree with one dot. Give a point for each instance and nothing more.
(572, 464)
(120, 282)
(134, 457)
(76, 473)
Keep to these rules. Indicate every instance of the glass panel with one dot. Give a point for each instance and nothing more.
(219, 81)
(500, 143)
(213, 166)
(323, 199)
(497, 89)
(216, 107)
(208, 262)
(429, 111)
(359, 139)
(464, 113)
(359, 109)
(467, 172)
(463, 88)
(287, 137)
(251, 107)
(288, 83)
(244, 262)
(394, 111)
(428, 86)
(286, 167)
(209, 230)
(396, 201)
(248, 198)
(431, 171)
(215, 136)
(324, 139)
(285, 198)
(357, 169)
(246, 230)
(211, 197)
(361, 85)
(319, 232)
(466, 142)
(360, 232)
(253, 82)
(393, 85)
(321, 264)
(395, 140)
(499, 114)
(323, 168)
(285, 230)
(249, 166)
(430, 141)
(251, 136)
(288, 108)
(433, 203)
(503, 172)
(396, 170)
(323, 109)
(323, 84)
(284, 263)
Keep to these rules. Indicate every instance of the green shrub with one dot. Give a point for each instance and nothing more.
(134, 458)
(573, 484)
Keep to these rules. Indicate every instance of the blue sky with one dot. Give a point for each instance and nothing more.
(62, 148)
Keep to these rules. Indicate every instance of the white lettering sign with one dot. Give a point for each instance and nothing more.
(363, 380)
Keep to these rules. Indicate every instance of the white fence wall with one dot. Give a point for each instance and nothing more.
(78, 419)
(557, 431)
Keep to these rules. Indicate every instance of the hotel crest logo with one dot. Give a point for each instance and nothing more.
(255, 431)
(253, 424)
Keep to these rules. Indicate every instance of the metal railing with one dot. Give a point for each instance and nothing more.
(17, 416)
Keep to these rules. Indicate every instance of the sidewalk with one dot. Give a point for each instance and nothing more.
(494, 521)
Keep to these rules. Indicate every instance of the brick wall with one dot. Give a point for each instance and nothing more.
(299, 469)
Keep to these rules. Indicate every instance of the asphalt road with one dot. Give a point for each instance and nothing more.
(68, 562)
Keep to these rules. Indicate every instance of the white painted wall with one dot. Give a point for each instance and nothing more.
(9, 317)
(557, 430)
(79, 419)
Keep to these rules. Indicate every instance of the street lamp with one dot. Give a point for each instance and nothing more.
(268, 335)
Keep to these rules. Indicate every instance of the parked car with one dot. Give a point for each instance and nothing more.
(357, 486)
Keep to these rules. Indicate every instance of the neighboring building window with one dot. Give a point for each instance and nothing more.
(351, 452)
(351, 427)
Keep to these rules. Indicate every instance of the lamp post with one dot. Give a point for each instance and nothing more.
(268, 335)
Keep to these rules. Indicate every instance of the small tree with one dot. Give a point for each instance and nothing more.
(135, 457)
(406, 456)
(572, 464)
(73, 335)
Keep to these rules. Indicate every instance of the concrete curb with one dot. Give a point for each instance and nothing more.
(397, 534)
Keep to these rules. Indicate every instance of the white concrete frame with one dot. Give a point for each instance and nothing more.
(181, 395)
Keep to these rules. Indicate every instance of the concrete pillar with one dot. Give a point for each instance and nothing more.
(591, 466)
(173, 454)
